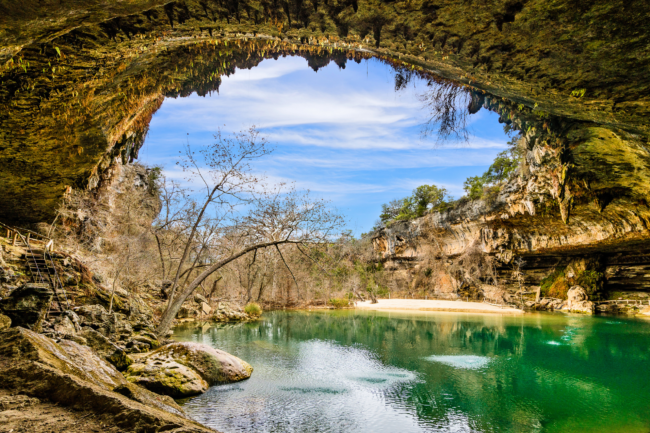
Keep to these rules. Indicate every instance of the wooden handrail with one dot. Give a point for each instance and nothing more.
(17, 232)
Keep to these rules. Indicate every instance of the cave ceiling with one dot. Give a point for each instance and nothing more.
(80, 79)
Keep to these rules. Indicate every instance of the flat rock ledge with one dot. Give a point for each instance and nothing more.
(186, 369)
(73, 377)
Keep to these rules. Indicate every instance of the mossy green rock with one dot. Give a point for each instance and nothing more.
(165, 376)
(106, 349)
(185, 369)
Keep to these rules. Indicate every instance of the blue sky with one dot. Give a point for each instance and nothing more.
(345, 135)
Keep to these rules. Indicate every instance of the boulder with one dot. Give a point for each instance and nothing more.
(64, 325)
(143, 342)
(578, 301)
(165, 376)
(5, 322)
(214, 365)
(187, 312)
(199, 299)
(183, 369)
(224, 313)
(28, 305)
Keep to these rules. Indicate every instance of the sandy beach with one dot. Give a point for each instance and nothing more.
(436, 305)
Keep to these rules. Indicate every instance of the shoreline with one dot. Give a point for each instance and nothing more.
(436, 306)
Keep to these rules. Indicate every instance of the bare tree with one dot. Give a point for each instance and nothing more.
(270, 217)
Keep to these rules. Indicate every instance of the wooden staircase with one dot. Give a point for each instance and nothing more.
(42, 269)
(40, 264)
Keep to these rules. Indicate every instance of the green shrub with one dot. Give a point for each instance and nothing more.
(553, 284)
(590, 280)
(253, 309)
(339, 302)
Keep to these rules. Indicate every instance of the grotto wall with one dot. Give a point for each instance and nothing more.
(81, 79)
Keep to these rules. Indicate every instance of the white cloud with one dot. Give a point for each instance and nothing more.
(345, 136)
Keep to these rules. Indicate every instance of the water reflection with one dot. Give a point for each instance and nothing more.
(388, 372)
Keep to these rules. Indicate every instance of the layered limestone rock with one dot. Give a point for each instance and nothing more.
(72, 375)
(28, 305)
(562, 220)
(186, 369)
(67, 356)
(200, 309)
(79, 87)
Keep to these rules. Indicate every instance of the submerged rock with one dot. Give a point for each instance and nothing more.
(184, 369)
(28, 305)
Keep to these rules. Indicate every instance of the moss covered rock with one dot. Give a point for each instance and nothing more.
(106, 348)
(185, 369)
(165, 376)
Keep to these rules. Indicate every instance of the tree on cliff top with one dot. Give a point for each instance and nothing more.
(272, 216)
(424, 198)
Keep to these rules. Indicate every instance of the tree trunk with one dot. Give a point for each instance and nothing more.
(175, 304)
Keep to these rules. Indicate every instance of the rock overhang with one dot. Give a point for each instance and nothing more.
(80, 92)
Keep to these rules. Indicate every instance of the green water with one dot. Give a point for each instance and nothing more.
(353, 371)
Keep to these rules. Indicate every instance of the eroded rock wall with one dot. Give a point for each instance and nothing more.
(80, 80)
(560, 210)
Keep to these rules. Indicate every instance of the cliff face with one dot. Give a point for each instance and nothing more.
(527, 235)
(80, 80)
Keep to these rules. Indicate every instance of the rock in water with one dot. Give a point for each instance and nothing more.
(185, 369)
(5, 322)
(578, 301)
(27, 305)
(165, 376)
